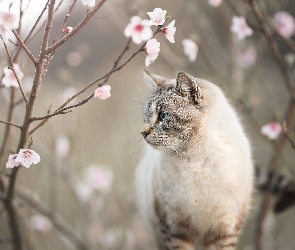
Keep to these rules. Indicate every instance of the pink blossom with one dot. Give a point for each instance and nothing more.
(152, 50)
(157, 16)
(7, 20)
(9, 79)
(248, 57)
(84, 191)
(62, 146)
(284, 23)
(99, 178)
(103, 92)
(109, 240)
(272, 130)
(139, 30)
(27, 157)
(11, 163)
(40, 223)
(215, 3)
(67, 29)
(190, 49)
(74, 59)
(90, 3)
(240, 28)
(169, 31)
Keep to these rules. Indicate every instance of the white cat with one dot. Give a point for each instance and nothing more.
(194, 181)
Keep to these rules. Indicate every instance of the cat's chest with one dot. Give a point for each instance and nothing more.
(193, 182)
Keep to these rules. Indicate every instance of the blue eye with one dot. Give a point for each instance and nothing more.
(162, 115)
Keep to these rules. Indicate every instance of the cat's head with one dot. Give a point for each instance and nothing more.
(175, 113)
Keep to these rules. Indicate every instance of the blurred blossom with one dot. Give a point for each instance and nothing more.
(169, 31)
(9, 79)
(94, 233)
(284, 23)
(84, 191)
(248, 57)
(272, 130)
(215, 3)
(11, 163)
(190, 49)
(67, 29)
(103, 92)
(152, 50)
(67, 93)
(62, 146)
(27, 83)
(289, 58)
(7, 20)
(90, 3)
(74, 59)
(99, 178)
(109, 240)
(240, 28)
(139, 30)
(40, 223)
(27, 157)
(157, 16)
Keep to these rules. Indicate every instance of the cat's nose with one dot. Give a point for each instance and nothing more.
(145, 133)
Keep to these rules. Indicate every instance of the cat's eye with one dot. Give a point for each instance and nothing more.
(162, 115)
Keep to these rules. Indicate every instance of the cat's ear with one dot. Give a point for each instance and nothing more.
(153, 80)
(187, 85)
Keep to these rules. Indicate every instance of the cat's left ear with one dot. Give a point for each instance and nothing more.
(153, 80)
(187, 85)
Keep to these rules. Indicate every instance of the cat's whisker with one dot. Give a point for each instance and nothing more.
(141, 98)
(176, 151)
(135, 107)
(144, 94)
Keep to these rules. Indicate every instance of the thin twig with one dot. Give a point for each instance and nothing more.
(65, 21)
(76, 29)
(289, 112)
(26, 49)
(56, 220)
(8, 119)
(274, 48)
(11, 124)
(288, 136)
(12, 68)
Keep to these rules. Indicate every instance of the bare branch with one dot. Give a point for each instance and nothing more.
(12, 68)
(11, 124)
(288, 136)
(25, 47)
(65, 21)
(274, 48)
(76, 29)
(57, 221)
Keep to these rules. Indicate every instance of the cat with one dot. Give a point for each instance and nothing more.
(194, 181)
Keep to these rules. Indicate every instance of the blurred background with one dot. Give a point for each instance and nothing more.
(101, 141)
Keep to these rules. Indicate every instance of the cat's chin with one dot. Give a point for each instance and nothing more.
(160, 147)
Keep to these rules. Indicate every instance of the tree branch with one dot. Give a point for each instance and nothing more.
(25, 47)
(56, 220)
(12, 68)
(76, 29)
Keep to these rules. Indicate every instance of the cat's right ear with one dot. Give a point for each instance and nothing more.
(153, 80)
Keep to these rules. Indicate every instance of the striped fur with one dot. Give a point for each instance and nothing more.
(277, 185)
